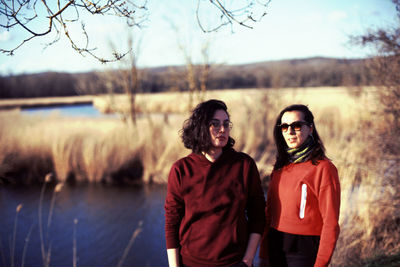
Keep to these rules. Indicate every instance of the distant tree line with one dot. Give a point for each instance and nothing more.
(309, 72)
(37, 85)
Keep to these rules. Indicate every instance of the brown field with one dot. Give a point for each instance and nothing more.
(111, 150)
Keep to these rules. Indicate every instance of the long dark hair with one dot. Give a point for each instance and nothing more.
(282, 157)
(195, 132)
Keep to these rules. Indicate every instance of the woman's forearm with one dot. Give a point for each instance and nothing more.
(173, 257)
(251, 250)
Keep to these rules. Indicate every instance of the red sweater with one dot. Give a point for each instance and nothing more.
(211, 208)
(316, 214)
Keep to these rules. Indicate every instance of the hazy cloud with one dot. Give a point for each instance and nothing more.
(4, 36)
(337, 15)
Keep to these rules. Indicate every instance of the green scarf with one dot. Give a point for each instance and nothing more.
(301, 153)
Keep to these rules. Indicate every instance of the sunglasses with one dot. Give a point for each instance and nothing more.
(216, 125)
(294, 125)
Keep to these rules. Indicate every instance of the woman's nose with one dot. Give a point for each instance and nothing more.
(291, 130)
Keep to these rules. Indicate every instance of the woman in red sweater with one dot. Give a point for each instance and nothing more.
(214, 208)
(303, 198)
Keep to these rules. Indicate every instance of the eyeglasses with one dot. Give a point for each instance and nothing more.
(216, 124)
(294, 125)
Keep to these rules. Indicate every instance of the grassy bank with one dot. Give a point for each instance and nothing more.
(81, 150)
(111, 151)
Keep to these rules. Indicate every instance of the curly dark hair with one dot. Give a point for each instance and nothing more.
(195, 132)
(282, 157)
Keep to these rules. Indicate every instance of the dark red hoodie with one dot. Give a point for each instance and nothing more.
(211, 208)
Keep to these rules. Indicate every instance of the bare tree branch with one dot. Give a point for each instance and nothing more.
(21, 14)
(386, 41)
(61, 14)
(243, 15)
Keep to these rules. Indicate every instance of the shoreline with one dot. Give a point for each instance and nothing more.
(19, 103)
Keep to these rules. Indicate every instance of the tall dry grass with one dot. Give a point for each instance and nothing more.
(111, 151)
(84, 150)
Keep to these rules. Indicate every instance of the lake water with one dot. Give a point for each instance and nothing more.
(80, 110)
(106, 218)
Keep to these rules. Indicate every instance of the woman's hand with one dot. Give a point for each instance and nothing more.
(173, 257)
(247, 263)
(252, 245)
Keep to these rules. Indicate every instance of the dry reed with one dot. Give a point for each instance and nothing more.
(26, 243)
(74, 248)
(18, 209)
(45, 241)
(135, 234)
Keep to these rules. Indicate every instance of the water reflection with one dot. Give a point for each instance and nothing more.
(107, 217)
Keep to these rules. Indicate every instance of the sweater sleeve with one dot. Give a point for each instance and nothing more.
(174, 209)
(329, 205)
(256, 201)
(264, 240)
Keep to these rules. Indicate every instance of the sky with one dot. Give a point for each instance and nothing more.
(290, 29)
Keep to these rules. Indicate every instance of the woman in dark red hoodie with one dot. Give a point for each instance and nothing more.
(214, 209)
(303, 199)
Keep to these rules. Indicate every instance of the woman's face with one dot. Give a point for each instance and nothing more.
(295, 136)
(219, 129)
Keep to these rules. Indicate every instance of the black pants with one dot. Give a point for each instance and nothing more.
(240, 264)
(288, 250)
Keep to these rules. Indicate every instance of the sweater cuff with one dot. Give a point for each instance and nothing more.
(321, 262)
(257, 227)
(172, 243)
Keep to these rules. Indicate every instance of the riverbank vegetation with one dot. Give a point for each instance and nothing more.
(350, 123)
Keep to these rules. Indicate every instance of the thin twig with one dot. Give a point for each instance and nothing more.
(26, 246)
(136, 232)
(74, 258)
(57, 189)
(48, 255)
(19, 207)
(42, 245)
